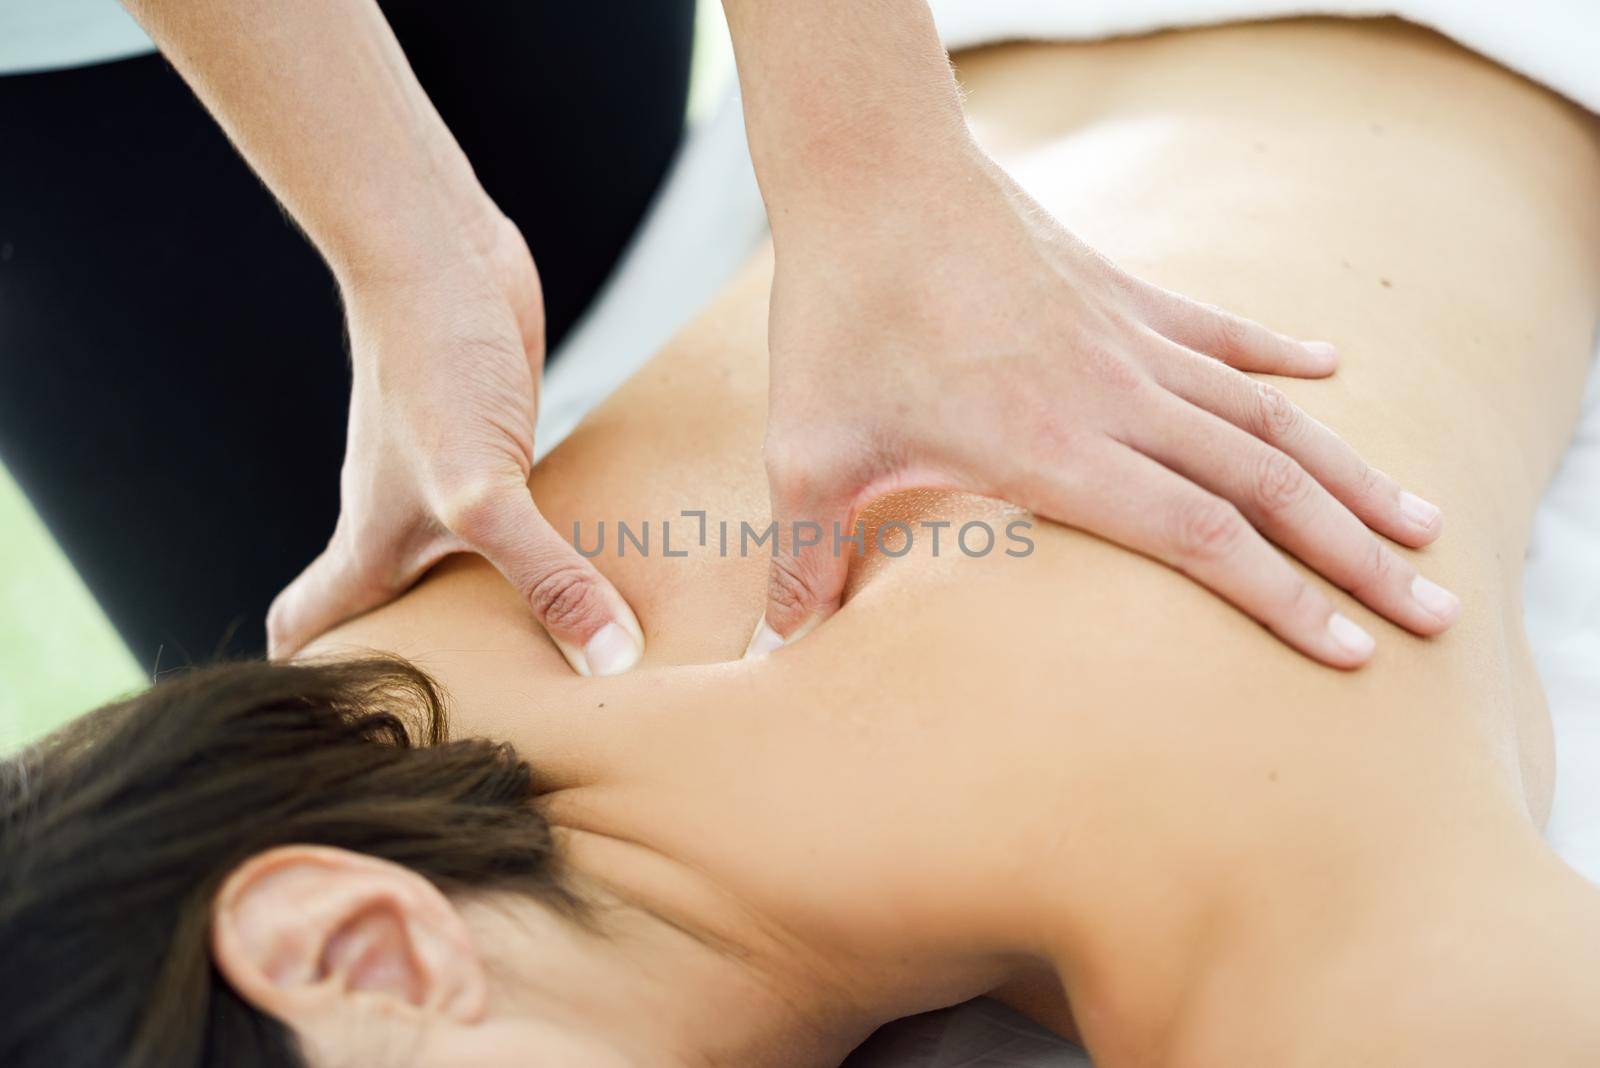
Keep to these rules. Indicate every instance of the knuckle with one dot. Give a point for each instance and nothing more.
(1276, 417)
(1278, 484)
(567, 600)
(1372, 484)
(806, 475)
(1305, 601)
(1055, 444)
(469, 511)
(278, 634)
(1051, 435)
(1232, 334)
(780, 453)
(1206, 529)
(1379, 568)
(788, 593)
(788, 462)
(369, 567)
(1228, 333)
(369, 585)
(1040, 423)
(1112, 370)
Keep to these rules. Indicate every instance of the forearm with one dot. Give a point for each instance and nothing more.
(319, 98)
(843, 100)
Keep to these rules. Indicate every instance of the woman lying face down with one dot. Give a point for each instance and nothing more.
(287, 865)
(1073, 780)
(267, 850)
(257, 865)
(266, 865)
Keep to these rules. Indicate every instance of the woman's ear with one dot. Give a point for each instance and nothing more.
(318, 937)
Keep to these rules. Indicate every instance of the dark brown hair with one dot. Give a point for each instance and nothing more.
(117, 831)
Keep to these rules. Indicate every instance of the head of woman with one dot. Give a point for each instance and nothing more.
(268, 865)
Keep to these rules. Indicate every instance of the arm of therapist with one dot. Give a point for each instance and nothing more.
(931, 325)
(445, 315)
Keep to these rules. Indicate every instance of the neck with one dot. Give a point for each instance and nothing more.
(683, 973)
(674, 972)
(644, 992)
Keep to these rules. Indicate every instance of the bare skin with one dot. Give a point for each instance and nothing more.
(1079, 764)
(854, 121)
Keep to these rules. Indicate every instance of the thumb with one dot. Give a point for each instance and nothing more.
(332, 589)
(580, 609)
(810, 563)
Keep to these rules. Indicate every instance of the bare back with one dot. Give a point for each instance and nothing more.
(967, 723)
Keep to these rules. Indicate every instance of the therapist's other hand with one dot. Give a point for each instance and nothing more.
(952, 334)
(446, 369)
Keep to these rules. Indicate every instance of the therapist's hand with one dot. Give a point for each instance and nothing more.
(950, 333)
(446, 367)
(933, 326)
(445, 315)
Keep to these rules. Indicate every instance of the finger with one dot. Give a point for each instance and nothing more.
(582, 611)
(1262, 409)
(806, 580)
(1289, 506)
(333, 588)
(1128, 498)
(1236, 341)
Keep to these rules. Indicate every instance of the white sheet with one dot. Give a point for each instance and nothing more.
(705, 223)
(1556, 42)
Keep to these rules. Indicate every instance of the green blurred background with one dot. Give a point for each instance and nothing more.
(58, 654)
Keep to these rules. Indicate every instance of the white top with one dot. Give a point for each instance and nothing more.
(51, 34)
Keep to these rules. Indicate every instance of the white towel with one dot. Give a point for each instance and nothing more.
(1556, 42)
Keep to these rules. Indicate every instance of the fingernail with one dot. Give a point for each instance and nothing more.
(1322, 350)
(611, 651)
(1435, 598)
(1350, 637)
(1419, 511)
(764, 641)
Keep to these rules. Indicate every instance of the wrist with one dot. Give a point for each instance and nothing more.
(448, 236)
(936, 187)
(414, 246)
(844, 101)
(484, 274)
(864, 158)
(402, 212)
